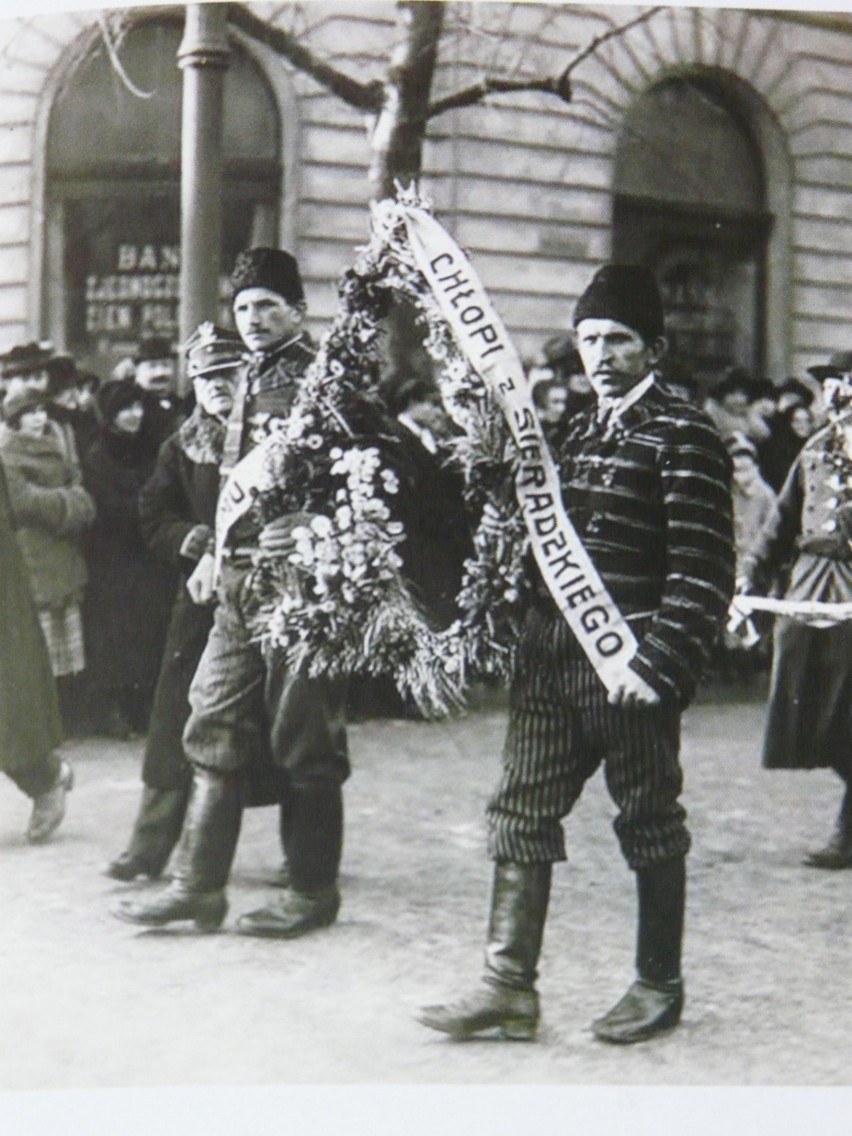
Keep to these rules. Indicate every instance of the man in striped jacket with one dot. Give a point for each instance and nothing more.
(646, 483)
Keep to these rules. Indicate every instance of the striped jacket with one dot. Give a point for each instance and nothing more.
(651, 501)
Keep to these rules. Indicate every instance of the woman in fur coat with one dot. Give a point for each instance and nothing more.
(52, 511)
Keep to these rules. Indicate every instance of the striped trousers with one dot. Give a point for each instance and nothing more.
(560, 730)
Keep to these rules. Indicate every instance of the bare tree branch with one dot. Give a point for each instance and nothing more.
(618, 30)
(117, 65)
(474, 94)
(363, 96)
(559, 85)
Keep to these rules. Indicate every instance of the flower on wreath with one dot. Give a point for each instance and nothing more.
(340, 604)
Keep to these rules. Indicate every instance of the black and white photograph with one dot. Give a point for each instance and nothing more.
(425, 568)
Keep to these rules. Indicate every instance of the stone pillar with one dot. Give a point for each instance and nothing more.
(203, 58)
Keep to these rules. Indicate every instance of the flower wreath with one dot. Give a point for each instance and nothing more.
(339, 605)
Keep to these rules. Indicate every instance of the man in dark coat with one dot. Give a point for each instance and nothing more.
(30, 727)
(645, 480)
(242, 687)
(155, 376)
(177, 509)
(809, 716)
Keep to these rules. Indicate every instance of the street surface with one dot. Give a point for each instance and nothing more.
(91, 1002)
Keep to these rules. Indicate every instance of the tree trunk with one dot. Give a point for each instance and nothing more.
(397, 139)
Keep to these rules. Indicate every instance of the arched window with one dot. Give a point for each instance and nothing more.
(113, 190)
(690, 203)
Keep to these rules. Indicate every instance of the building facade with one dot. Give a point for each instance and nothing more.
(714, 145)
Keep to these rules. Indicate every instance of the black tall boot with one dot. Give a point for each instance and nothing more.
(506, 1000)
(156, 831)
(282, 878)
(203, 860)
(837, 854)
(314, 838)
(654, 1002)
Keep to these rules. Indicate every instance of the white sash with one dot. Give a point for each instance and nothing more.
(244, 482)
(804, 610)
(566, 567)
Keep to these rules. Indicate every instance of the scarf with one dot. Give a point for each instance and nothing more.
(202, 438)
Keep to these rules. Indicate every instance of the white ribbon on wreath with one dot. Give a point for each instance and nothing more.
(333, 615)
(567, 569)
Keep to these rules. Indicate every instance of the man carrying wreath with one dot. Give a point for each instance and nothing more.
(645, 480)
(242, 685)
(304, 424)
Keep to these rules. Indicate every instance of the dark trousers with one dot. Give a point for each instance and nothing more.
(561, 728)
(38, 777)
(242, 687)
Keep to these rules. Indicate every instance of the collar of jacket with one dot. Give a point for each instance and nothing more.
(260, 361)
(654, 401)
(202, 438)
(19, 447)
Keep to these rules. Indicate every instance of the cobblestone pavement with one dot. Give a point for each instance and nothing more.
(90, 1003)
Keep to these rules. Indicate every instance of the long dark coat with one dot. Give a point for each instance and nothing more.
(809, 712)
(177, 510)
(30, 727)
(130, 592)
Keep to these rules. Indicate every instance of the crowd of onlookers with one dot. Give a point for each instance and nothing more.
(76, 452)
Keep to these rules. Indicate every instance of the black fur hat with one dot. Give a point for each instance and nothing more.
(627, 293)
(269, 268)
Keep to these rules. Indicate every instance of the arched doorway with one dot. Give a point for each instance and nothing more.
(691, 203)
(112, 249)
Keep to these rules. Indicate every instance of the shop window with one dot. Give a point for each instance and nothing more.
(690, 204)
(113, 191)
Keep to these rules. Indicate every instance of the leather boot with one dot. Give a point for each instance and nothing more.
(837, 854)
(282, 877)
(203, 859)
(654, 1003)
(314, 842)
(155, 833)
(49, 807)
(506, 1000)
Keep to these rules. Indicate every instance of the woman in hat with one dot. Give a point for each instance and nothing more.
(52, 511)
(130, 592)
(753, 502)
(26, 366)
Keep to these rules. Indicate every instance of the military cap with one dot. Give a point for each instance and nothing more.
(210, 349)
